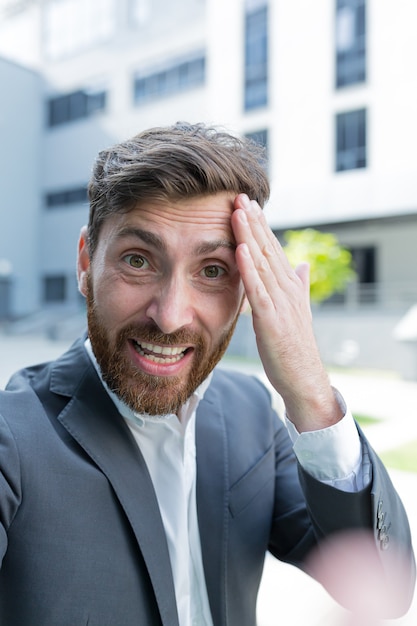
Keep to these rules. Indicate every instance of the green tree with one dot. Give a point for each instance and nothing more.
(330, 263)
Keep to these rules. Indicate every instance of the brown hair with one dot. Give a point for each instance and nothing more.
(179, 161)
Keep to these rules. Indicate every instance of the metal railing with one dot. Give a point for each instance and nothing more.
(382, 295)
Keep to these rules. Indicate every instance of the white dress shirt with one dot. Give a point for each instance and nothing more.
(332, 455)
(168, 447)
(167, 444)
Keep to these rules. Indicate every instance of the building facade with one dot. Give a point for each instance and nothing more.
(21, 191)
(327, 86)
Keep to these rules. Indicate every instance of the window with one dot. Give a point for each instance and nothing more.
(74, 106)
(5, 296)
(55, 288)
(260, 137)
(66, 197)
(350, 39)
(75, 25)
(173, 79)
(364, 262)
(256, 58)
(351, 140)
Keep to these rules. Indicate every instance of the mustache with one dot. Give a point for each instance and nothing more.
(151, 333)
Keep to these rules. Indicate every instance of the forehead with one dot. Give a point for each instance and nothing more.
(202, 217)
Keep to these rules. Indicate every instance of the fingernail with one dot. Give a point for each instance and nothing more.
(246, 203)
(245, 249)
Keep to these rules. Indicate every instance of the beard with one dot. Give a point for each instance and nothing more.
(144, 393)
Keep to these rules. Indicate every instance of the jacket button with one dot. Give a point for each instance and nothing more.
(379, 511)
(384, 543)
(380, 522)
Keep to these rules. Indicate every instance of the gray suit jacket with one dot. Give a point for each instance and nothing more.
(81, 536)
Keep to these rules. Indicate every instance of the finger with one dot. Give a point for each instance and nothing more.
(256, 219)
(256, 292)
(303, 272)
(254, 264)
(270, 261)
(256, 232)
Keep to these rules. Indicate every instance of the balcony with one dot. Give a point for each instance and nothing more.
(392, 296)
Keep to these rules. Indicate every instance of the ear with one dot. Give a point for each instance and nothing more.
(83, 261)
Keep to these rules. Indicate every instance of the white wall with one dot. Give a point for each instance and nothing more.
(20, 35)
(305, 187)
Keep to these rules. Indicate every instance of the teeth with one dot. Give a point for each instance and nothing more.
(173, 352)
(168, 350)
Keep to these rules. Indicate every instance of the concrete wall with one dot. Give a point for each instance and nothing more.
(20, 181)
(360, 339)
(365, 339)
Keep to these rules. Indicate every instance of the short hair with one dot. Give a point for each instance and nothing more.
(173, 163)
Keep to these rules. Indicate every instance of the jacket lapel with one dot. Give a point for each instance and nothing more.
(212, 498)
(94, 422)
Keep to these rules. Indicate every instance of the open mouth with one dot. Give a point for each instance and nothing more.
(160, 354)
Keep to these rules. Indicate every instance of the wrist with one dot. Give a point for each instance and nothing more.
(316, 411)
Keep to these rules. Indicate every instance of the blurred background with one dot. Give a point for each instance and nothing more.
(328, 87)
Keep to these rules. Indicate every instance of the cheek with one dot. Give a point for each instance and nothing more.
(114, 300)
(223, 312)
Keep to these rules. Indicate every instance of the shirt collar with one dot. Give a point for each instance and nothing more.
(140, 419)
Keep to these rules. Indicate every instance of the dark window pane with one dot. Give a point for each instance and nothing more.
(256, 58)
(174, 79)
(55, 288)
(350, 38)
(78, 105)
(96, 102)
(364, 262)
(351, 140)
(66, 197)
(261, 137)
(59, 111)
(75, 106)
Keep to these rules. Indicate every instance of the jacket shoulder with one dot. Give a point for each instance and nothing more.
(240, 385)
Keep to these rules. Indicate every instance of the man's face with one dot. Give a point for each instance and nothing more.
(163, 297)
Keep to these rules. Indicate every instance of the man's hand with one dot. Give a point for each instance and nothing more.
(279, 297)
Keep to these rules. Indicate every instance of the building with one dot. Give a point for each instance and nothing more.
(328, 86)
(21, 191)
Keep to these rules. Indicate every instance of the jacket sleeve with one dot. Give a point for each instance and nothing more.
(10, 483)
(376, 511)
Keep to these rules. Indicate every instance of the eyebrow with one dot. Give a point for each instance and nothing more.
(207, 247)
(202, 248)
(144, 235)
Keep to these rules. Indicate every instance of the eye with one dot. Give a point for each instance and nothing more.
(212, 271)
(136, 261)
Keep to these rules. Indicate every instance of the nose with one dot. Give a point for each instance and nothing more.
(172, 307)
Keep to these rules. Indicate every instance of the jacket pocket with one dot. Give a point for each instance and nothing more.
(253, 483)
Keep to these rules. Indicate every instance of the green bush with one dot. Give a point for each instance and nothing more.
(330, 264)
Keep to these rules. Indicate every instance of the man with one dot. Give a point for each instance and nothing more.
(143, 485)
